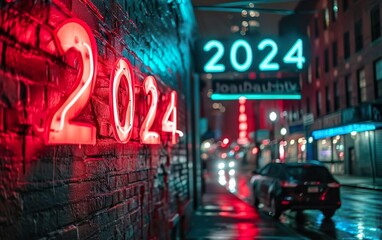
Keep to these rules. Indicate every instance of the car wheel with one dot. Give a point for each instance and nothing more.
(275, 211)
(328, 213)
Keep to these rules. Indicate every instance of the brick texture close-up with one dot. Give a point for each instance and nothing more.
(107, 190)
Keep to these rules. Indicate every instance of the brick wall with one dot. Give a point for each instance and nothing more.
(107, 190)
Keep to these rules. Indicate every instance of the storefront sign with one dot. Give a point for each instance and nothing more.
(61, 126)
(272, 88)
(247, 54)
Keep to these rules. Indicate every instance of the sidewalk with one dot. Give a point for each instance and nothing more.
(360, 182)
(225, 216)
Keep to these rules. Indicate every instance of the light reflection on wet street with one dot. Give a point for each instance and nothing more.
(360, 216)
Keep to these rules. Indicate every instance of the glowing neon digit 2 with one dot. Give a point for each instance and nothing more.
(212, 64)
(60, 128)
(122, 130)
(266, 64)
(147, 136)
(169, 121)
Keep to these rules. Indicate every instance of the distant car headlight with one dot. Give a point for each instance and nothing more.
(231, 164)
(221, 165)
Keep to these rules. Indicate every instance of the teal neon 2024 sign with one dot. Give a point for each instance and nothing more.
(244, 55)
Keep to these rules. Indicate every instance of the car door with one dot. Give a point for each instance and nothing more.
(259, 182)
(265, 182)
(270, 182)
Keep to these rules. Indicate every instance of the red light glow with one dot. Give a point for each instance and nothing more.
(60, 128)
(122, 130)
(169, 123)
(147, 136)
(255, 150)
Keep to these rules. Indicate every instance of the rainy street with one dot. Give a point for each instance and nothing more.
(358, 218)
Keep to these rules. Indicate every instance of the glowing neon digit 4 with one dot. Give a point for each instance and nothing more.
(295, 54)
(147, 136)
(122, 129)
(60, 127)
(169, 121)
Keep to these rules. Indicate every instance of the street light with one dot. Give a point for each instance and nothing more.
(273, 118)
(283, 131)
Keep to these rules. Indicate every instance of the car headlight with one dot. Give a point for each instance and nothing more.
(221, 165)
(231, 164)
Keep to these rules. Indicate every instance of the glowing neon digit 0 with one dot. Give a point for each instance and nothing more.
(169, 121)
(147, 136)
(60, 127)
(122, 130)
(233, 55)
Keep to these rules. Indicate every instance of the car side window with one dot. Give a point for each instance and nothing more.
(265, 170)
(274, 171)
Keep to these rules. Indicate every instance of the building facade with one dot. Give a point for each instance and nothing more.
(340, 112)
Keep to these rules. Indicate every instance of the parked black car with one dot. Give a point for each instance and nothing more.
(296, 186)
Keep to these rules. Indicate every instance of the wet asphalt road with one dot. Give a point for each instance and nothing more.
(360, 216)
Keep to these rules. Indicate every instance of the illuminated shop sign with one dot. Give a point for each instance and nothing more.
(244, 55)
(330, 132)
(61, 126)
(272, 88)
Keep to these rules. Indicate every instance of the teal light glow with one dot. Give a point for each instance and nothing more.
(295, 54)
(330, 132)
(248, 53)
(218, 96)
(212, 65)
(266, 64)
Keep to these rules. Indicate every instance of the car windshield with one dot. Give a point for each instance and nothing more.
(310, 173)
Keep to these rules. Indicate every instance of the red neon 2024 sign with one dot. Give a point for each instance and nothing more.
(61, 127)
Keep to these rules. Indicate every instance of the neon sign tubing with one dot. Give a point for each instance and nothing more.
(82, 90)
(124, 130)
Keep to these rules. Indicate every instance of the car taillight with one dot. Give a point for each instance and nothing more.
(286, 184)
(334, 185)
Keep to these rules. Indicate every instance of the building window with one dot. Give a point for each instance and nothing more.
(334, 10)
(375, 23)
(378, 77)
(336, 94)
(316, 30)
(349, 91)
(346, 38)
(358, 35)
(326, 59)
(327, 95)
(362, 97)
(345, 5)
(317, 62)
(318, 103)
(334, 53)
(309, 74)
(326, 18)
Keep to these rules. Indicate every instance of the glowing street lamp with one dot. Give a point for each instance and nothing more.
(273, 118)
(283, 131)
